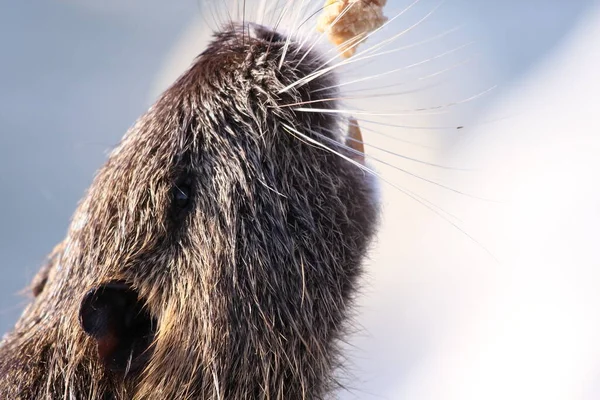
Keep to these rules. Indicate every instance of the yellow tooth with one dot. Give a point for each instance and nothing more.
(355, 140)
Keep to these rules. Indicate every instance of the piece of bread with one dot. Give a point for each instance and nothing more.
(347, 21)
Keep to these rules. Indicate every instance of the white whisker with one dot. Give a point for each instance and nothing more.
(394, 138)
(404, 68)
(244, 21)
(388, 151)
(307, 36)
(323, 34)
(432, 206)
(356, 67)
(347, 148)
(360, 56)
(260, 11)
(415, 111)
(297, 24)
(424, 202)
(281, 15)
(360, 97)
(412, 127)
(406, 157)
(383, 43)
(288, 39)
(419, 79)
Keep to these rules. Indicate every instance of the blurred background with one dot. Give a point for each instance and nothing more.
(491, 297)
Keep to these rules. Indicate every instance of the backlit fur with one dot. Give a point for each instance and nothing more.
(251, 284)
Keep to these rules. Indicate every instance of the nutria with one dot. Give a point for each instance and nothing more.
(217, 252)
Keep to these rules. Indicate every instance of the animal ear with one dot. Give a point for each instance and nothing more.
(39, 281)
(114, 316)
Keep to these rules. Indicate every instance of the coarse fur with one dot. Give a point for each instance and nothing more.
(248, 286)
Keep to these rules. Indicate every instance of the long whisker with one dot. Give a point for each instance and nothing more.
(216, 14)
(383, 43)
(281, 15)
(419, 79)
(360, 56)
(294, 30)
(310, 17)
(378, 95)
(300, 17)
(415, 44)
(260, 11)
(438, 210)
(341, 47)
(360, 97)
(415, 111)
(388, 151)
(394, 138)
(347, 148)
(432, 207)
(323, 34)
(410, 127)
(206, 9)
(287, 41)
(406, 157)
(244, 21)
(404, 68)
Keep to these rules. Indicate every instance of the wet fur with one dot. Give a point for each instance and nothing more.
(250, 285)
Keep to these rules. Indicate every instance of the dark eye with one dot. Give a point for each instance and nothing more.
(181, 195)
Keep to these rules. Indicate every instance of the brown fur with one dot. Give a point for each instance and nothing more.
(250, 285)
